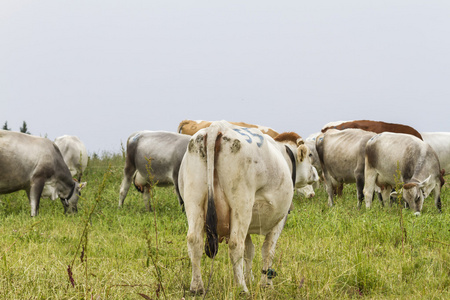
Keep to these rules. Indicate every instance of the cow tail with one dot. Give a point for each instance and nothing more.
(212, 141)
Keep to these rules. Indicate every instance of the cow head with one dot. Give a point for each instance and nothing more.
(414, 194)
(306, 173)
(70, 203)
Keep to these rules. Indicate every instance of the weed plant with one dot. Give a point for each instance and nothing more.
(129, 253)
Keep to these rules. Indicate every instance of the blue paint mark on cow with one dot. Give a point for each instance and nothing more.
(135, 137)
(247, 134)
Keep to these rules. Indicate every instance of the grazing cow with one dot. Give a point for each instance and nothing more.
(190, 127)
(440, 142)
(35, 164)
(235, 182)
(418, 165)
(165, 150)
(74, 154)
(341, 155)
(374, 126)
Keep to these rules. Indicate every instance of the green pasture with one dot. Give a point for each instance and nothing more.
(323, 253)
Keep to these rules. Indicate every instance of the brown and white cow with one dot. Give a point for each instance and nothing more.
(235, 182)
(165, 150)
(418, 165)
(74, 153)
(342, 154)
(373, 126)
(190, 127)
(35, 164)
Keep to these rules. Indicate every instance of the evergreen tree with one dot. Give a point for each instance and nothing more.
(5, 127)
(24, 128)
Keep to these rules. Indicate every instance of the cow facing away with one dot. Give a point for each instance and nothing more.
(373, 126)
(440, 142)
(342, 155)
(165, 150)
(190, 127)
(235, 182)
(418, 164)
(74, 154)
(35, 164)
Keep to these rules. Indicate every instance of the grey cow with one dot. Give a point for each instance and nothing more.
(35, 164)
(418, 164)
(341, 154)
(165, 150)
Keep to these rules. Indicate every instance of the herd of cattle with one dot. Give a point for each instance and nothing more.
(237, 179)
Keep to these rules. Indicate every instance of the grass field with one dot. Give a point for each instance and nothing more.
(323, 253)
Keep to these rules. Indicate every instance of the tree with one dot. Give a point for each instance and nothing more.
(24, 128)
(5, 127)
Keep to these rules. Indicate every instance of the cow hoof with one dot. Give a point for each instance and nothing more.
(197, 292)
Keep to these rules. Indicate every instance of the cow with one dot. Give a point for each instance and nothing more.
(307, 191)
(35, 164)
(342, 155)
(164, 150)
(373, 126)
(190, 127)
(235, 182)
(418, 167)
(74, 154)
(440, 142)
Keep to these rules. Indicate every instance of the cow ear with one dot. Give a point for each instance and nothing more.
(302, 152)
(82, 185)
(425, 182)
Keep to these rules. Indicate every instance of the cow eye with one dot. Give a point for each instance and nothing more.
(310, 155)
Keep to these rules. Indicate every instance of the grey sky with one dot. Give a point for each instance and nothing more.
(104, 69)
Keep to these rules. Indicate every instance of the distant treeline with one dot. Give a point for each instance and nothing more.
(23, 129)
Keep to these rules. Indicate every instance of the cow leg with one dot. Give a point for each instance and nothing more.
(330, 188)
(146, 197)
(195, 234)
(360, 187)
(249, 253)
(268, 252)
(128, 173)
(239, 223)
(437, 197)
(34, 195)
(386, 196)
(369, 187)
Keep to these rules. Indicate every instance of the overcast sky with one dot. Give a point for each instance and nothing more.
(104, 69)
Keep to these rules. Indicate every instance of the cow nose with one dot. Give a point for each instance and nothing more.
(417, 213)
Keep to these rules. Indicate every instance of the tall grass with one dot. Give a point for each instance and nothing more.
(323, 253)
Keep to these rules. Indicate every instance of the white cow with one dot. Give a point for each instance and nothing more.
(35, 164)
(341, 154)
(74, 154)
(418, 164)
(235, 182)
(440, 142)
